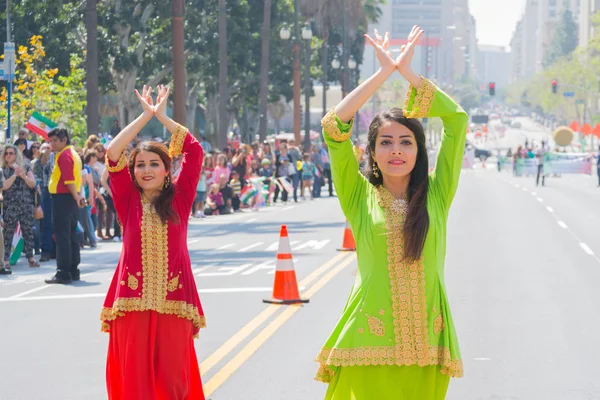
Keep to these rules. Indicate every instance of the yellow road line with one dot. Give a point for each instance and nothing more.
(229, 369)
(222, 352)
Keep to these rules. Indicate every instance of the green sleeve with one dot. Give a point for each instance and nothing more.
(430, 101)
(349, 183)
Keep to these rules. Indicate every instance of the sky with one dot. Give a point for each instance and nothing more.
(496, 19)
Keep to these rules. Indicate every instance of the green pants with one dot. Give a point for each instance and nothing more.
(388, 383)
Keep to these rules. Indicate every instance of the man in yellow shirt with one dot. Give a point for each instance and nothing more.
(64, 187)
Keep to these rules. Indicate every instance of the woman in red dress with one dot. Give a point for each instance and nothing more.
(152, 310)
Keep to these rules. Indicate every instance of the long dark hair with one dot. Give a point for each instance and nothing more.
(162, 203)
(416, 223)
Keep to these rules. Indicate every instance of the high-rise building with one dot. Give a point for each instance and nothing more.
(493, 65)
(549, 14)
(587, 9)
(516, 54)
(436, 56)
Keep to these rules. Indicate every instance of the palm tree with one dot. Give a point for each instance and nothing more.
(91, 23)
(264, 70)
(223, 89)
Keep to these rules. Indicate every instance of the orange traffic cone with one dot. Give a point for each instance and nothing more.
(285, 286)
(348, 244)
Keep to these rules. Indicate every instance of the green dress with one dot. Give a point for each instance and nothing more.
(396, 338)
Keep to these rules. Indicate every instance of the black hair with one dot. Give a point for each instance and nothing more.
(60, 133)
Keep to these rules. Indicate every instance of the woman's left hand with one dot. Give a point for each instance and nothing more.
(408, 50)
(162, 98)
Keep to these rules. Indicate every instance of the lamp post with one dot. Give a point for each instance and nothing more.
(307, 36)
(352, 68)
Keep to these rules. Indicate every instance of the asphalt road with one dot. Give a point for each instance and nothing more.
(522, 271)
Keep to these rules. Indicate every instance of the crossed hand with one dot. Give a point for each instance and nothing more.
(147, 102)
(386, 60)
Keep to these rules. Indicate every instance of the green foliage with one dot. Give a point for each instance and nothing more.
(565, 38)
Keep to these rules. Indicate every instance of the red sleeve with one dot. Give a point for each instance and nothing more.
(66, 165)
(121, 186)
(184, 143)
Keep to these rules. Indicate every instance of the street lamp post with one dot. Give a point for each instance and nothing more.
(307, 35)
(351, 72)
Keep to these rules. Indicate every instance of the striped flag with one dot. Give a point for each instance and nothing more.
(247, 193)
(17, 245)
(285, 185)
(40, 125)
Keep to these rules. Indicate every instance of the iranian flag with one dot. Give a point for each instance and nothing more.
(247, 193)
(17, 245)
(40, 125)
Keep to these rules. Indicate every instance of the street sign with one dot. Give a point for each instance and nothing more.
(579, 101)
(569, 94)
(9, 61)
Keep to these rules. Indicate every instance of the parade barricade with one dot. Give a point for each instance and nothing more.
(526, 166)
(567, 163)
(506, 163)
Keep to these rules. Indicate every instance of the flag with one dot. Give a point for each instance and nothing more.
(288, 187)
(40, 125)
(17, 245)
(247, 193)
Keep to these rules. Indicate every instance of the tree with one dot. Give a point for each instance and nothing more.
(264, 69)
(565, 38)
(93, 94)
(38, 87)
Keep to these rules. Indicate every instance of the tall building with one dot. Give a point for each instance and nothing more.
(587, 9)
(437, 54)
(493, 65)
(549, 15)
(516, 54)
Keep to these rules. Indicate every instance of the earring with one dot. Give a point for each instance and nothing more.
(375, 170)
(167, 182)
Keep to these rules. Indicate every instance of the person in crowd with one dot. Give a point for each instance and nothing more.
(152, 309)
(396, 337)
(43, 171)
(18, 202)
(200, 193)
(283, 169)
(296, 156)
(25, 153)
(308, 176)
(65, 188)
(214, 201)
(236, 189)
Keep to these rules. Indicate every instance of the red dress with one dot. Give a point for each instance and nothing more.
(152, 309)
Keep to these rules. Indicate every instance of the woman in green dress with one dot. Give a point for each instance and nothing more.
(396, 338)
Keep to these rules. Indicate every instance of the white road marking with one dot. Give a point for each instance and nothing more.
(482, 359)
(223, 247)
(525, 189)
(193, 241)
(288, 208)
(100, 295)
(533, 193)
(550, 209)
(315, 244)
(250, 220)
(25, 293)
(517, 186)
(249, 247)
(268, 265)
(586, 249)
(562, 225)
(225, 271)
(540, 199)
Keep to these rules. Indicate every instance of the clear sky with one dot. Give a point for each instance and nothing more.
(496, 19)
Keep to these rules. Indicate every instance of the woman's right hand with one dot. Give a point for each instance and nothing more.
(381, 44)
(145, 100)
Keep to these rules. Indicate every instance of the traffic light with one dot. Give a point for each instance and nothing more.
(554, 85)
(492, 87)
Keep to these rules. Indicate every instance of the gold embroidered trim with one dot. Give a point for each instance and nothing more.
(324, 374)
(174, 307)
(438, 324)
(383, 355)
(177, 139)
(132, 282)
(121, 164)
(155, 261)
(422, 102)
(173, 284)
(332, 129)
(376, 326)
(409, 310)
